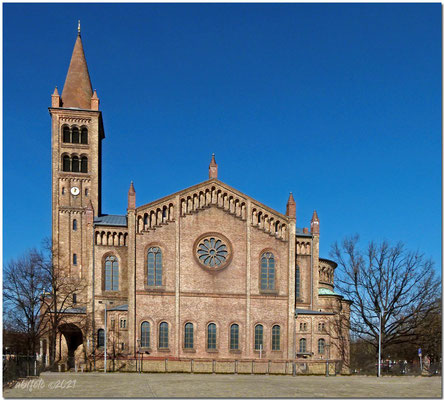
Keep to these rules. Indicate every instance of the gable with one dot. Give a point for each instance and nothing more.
(212, 193)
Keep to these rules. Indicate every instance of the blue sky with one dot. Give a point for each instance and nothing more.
(338, 103)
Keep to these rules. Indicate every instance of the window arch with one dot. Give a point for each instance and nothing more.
(303, 345)
(84, 136)
(321, 346)
(267, 271)
(234, 337)
(211, 336)
(84, 164)
(298, 282)
(66, 163)
(154, 266)
(75, 135)
(163, 335)
(100, 338)
(66, 134)
(111, 273)
(145, 334)
(258, 337)
(74, 224)
(188, 342)
(75, 164)
(276, 337)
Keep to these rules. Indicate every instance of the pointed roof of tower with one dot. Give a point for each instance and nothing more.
(77, 91)
(291, 199)
(213, 160)
(315, 216)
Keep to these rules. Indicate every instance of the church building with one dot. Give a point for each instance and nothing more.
(206, 273)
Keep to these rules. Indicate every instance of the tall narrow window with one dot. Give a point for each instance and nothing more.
(188, 342)
(298, 282)
(74, 259)
(111, 273)
(84, 136)
(66, 135)
(234, 337)
(163, 335)
(84, 164)
(86, 192)
(276, 338)
(66, 163)
(267, 271)
(258, 337)
(211, 336)
(100, 338)
(74, 298)
(75, 166)
(303, 345)
(321, 346)
(75, 135)
(74, 224)
(145, 334)
(154, 266)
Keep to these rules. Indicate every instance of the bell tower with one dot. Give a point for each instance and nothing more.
(77, 133)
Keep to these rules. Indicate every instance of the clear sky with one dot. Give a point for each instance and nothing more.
(338, 103)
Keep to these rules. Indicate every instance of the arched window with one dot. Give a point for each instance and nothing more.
(74, 298)
(163, 335)
(84, 136)
(100, 338)
(188, 342)
(321, 326)
(154, 266)
(111, 273)
(303, 345)
(321, 346)
(258, 337)
(267, 271)
(276, 337)
(234, 337)
(74, 259)
(66, 164)
(66, 134)
(211, 336)
(75, 166)
(298, 282)
(86, 192)
(84, 164)
(145, 334)
(145, 220)
(75, 135)
(74, 224)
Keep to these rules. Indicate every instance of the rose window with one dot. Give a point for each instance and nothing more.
(213, 252)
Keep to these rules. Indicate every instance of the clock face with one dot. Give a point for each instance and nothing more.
(75, 190)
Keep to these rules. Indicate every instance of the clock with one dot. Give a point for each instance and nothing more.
(75, 190)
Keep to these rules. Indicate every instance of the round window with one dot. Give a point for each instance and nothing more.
(213, 251)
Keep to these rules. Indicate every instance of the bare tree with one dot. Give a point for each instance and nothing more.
(390, 281)
(24, 281)
(59, 298)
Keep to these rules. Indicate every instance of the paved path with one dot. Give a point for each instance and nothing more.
(61, 385)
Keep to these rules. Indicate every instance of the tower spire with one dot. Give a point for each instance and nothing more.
(77, 91)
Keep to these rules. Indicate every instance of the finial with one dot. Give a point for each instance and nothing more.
(78, 27)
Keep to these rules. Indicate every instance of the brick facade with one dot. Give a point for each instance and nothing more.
(187, 291)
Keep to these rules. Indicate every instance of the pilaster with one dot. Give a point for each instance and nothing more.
(291, 285)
